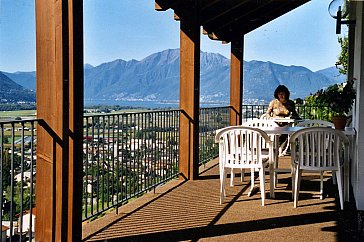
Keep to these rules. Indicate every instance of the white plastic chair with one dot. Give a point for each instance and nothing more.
(261, 123)
(317, 123)
(318, 149)
(240, 147)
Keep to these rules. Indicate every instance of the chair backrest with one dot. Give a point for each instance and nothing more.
(315, 123)
(261, 123)
(240, 147)
(319, 148)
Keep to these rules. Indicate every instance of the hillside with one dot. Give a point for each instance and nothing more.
(11, 92)
(156, 78)
(25, 79)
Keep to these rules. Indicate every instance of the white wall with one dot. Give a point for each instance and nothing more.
(357, 168)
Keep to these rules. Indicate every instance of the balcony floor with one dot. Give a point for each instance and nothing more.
(190, 211)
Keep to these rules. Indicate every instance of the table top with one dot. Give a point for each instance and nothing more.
(283, 120)
(291, 130)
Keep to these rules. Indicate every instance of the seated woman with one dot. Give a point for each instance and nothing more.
(282, 107)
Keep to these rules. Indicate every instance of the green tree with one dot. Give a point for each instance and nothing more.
(6, 172)
(6, 140)
(342, 62)
(20, 197)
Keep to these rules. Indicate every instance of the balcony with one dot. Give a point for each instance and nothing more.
(60, 131)
(130, 188)
(190, 211)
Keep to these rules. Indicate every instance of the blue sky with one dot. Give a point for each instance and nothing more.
(132, 29)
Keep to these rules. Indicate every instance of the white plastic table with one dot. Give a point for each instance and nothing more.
(349, 131)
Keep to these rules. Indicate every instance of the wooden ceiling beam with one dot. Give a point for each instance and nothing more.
(291, 5)
(209, 4)
(160, 5)
(163, 5)
(243, 16)
(277, 13)
(225, 19)
(176, 17)
(213, 36)
(223, 14)
(243, 27)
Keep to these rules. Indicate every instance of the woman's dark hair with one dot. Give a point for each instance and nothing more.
(281, 88)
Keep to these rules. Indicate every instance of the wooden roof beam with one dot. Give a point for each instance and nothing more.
(243, 27)
(213, 36)
(235, 7)
(291, 5)
(176, 17)
(246, 14)
(210, 4)
(161, 5)
(277, 13)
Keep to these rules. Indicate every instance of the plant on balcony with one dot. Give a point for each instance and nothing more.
(339, 97)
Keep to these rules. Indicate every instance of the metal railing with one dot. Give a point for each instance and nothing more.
(17, 178)
(211, 119)
(126, 155)
(253, 111)
(304, 111)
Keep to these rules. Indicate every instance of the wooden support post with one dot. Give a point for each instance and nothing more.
(189, 96)
(59, 57)
(236, 81)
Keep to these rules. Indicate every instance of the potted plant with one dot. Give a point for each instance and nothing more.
(340, 98)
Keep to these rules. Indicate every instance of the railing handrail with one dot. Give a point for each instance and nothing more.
(128, 112)
(20, 121)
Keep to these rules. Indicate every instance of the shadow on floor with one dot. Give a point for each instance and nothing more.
(190, 211)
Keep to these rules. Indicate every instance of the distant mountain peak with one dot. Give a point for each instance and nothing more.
(87, 66)
(156, 77)
(164, 57)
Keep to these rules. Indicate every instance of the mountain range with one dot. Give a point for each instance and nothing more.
(12, 92)
(156, 78)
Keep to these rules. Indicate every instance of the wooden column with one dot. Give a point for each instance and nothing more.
(236, 81)
(59, 57)
(189, 96)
